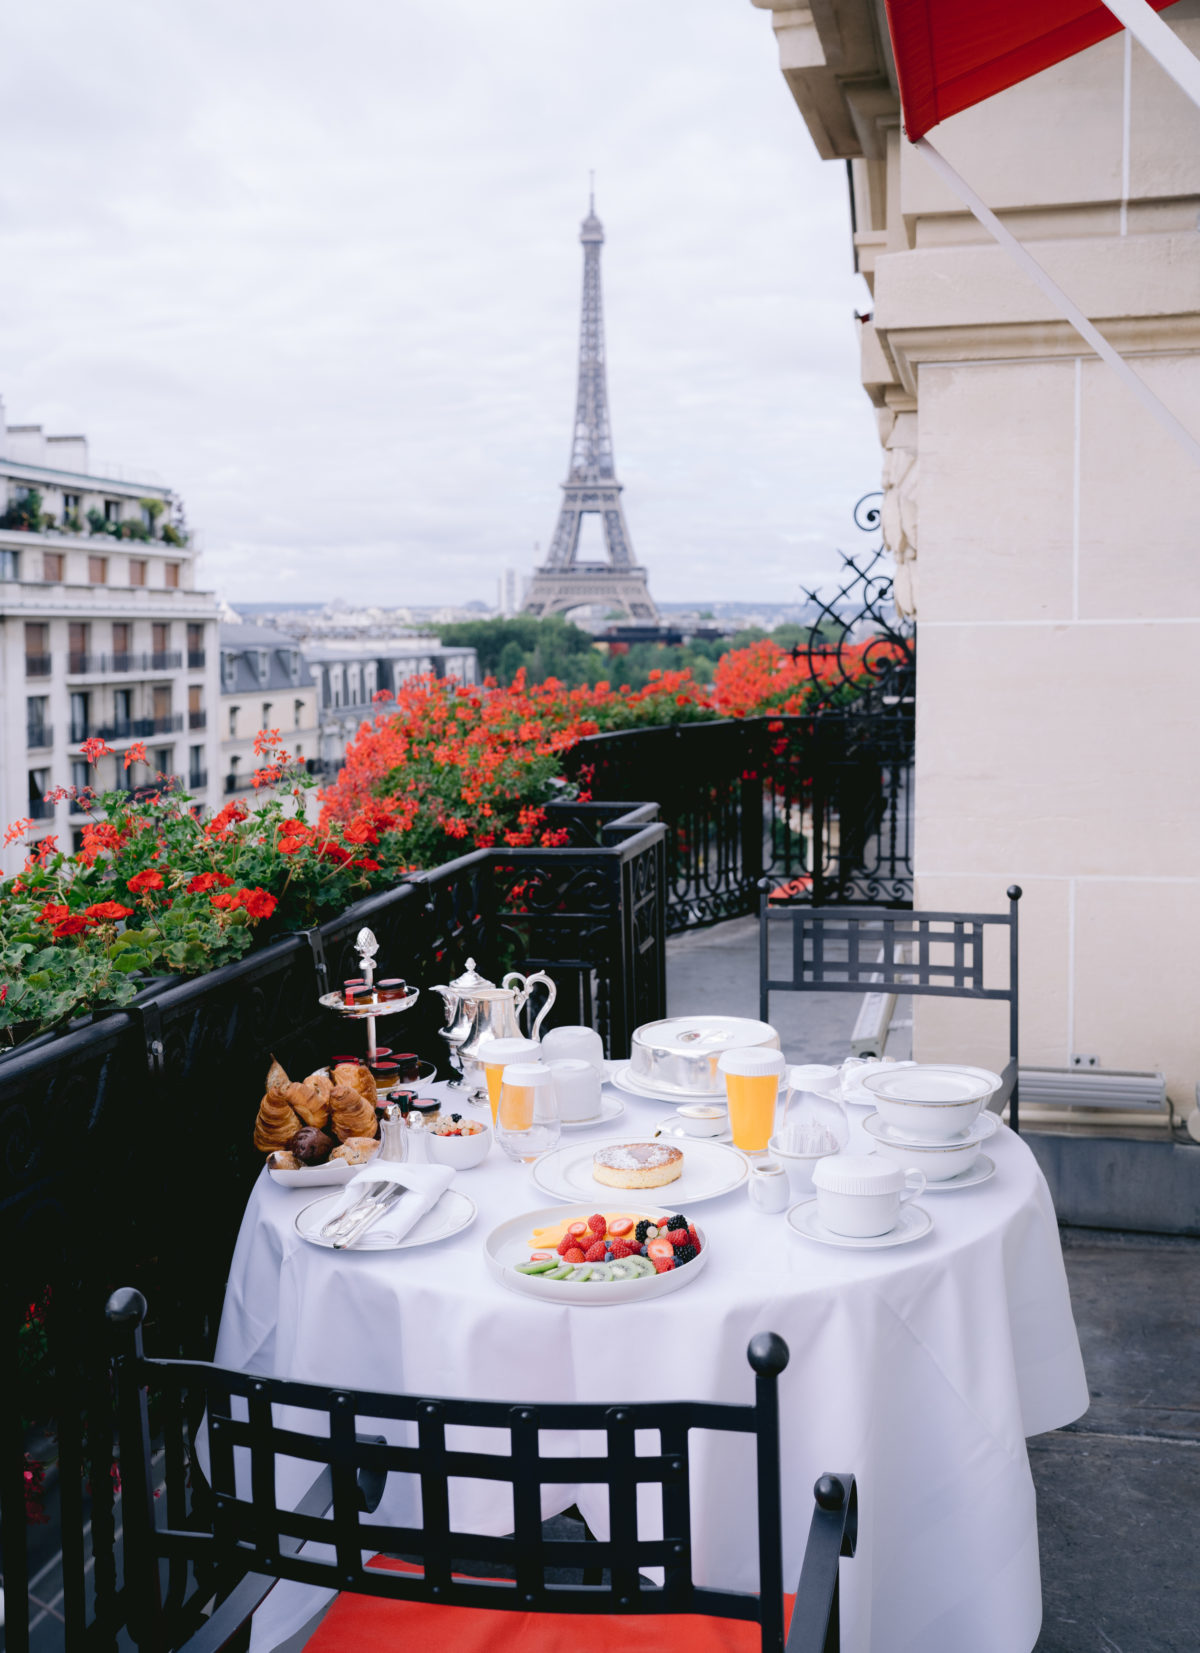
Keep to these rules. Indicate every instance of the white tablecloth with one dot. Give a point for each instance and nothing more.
(921, 1368)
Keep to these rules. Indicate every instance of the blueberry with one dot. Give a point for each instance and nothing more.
(642, 1252)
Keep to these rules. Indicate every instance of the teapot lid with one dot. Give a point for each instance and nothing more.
(470, 979)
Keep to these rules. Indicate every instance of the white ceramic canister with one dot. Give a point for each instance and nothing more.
(574, 1044)
(860, 1195)
(768, 1187)
(799, 1168)
(576, 1088)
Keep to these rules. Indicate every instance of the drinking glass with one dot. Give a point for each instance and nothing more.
(494, 1054)
(527, 1122)
(752, 1086)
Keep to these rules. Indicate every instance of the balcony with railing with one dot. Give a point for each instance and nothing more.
(196, 658)
(197, 720)
(38, 735)
(236, 783)
(127, 728)
(197, 780)
(40, 810)
(38, 665)
(104, 665)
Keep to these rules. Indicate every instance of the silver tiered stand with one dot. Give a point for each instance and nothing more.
(366, 1009)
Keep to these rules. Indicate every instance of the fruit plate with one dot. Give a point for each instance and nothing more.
(509, 1244)
(709, 1169)
(335, 1173)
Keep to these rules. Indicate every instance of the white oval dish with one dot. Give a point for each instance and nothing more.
(709, 1169)
(929, 1104)
(508, 1244)
(452, 1213)
(335, 1173)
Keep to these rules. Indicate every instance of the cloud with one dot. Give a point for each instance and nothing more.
(316, 266)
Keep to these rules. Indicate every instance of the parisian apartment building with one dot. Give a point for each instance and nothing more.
(102, 633)
(266, 683)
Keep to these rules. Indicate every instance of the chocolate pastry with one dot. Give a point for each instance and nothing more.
(310, 1146)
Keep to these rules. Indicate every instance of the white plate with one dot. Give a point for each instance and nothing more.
(509, 1244)
(452, 1213)
(611, 1107)
(625, 1080)
(335, 1173)
(923, 1082)
(709, 1169)
(674, 1128)
(984, 1126)
(912, 1224)
(979, 1171)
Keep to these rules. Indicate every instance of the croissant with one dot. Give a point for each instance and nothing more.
(312, 1107)
(321, 1083)
(352, 1114)
(355, 1152)
(357, 1077)
(277, 1079)
(276, 1124)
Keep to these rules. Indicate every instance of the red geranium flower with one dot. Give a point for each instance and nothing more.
(205, 881)
(151, 879)
(258, 903)
(368, 865)
(107, 912)
(53, 913)
(69, 927)
(95, 748)
(136, 753)
(226, 900)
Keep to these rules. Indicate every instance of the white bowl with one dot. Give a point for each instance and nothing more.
(799, 1167)
(938, 1160)
(929, 1104)
(461, 1153)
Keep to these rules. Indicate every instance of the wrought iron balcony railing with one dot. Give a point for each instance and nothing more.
(38, 735)
(37, 665)
(196, 659)
(40, 810)
(197, 720)
(79, 665)
(197, 780)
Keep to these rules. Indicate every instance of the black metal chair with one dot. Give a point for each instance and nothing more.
(879, 949)
(216, 1544)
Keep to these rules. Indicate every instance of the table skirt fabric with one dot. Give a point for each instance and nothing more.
(921, 1368)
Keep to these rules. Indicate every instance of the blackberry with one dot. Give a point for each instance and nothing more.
(642, 1230)
(685, 1253)
(674, 1222)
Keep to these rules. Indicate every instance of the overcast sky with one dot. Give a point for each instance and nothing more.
(316, 265)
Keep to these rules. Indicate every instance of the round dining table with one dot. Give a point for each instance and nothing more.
(920, 1368)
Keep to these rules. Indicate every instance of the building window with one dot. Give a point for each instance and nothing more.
(123, 711)
(195, 645)
(71, 519)
(78, 638)
(229, 672)
(233, 717)
(196, 772)
(52, 566)
(297, 714)
(122, 642)
(81, 774)
(162, 759)
(137, 570)
(10, 565)
(369, 681)
(37, 724)
(81, 717)
(39, 785)
(171, 576)
(160, 637)
(112, 510)
(97, 570)
(262, 665)
(266, 715)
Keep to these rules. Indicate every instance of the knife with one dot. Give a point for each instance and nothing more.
(368, 1216)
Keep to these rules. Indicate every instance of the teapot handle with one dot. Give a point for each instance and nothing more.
(526, 987)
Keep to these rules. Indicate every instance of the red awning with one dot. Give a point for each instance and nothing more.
(951, 54)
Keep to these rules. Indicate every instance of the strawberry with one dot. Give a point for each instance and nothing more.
(678, 1236)
(621, 1227)
(598, 1225)
(594, 1253)
(578, 1230)
(622, 1248)
(661, 1247)
(573, 1256)
(663, 1265)
(565, 1244)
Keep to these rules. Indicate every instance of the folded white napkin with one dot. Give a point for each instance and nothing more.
(425, 1184)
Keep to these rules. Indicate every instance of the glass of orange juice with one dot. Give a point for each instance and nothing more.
(752, 1080)
(494, 1054)
(527, 1122)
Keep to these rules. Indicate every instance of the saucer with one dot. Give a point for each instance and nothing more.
(674, 1127)
(610, 1108)
(912, 1223)
(979, 1171)
(624, 1078)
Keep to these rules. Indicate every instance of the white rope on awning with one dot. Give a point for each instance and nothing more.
(1066, 306)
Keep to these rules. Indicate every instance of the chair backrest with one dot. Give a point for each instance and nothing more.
(235, 1526)
(878, 949)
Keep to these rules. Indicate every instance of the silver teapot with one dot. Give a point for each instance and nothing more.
(476, 1009)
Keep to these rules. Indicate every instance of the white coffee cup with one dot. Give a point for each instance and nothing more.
(860, 1195)
(577, 1088)
(768, 1187)
(703, 1118)
(574, 1044)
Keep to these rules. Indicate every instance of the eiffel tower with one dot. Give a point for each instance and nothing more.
(563, 582)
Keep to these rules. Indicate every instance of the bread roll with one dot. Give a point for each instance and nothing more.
(352, 1115)
(276, 1125)
(357, 1151)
